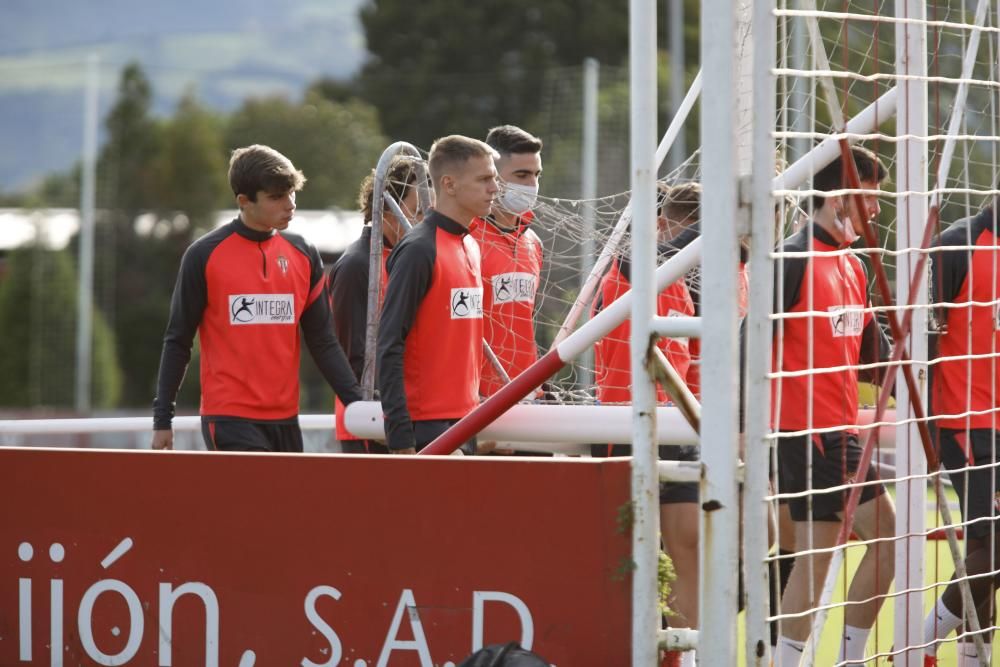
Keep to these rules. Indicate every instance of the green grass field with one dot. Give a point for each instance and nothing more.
(938, 567)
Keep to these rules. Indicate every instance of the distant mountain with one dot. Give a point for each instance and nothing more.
(226, 50)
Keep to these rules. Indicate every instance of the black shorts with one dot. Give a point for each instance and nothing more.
(363, 447)
(427, 431)
(978, 490)
(670, 492)
(239, 435)
(835, 459)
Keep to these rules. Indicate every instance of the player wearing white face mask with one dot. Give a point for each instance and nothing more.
(511, 257)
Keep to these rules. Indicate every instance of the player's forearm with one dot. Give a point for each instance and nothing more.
(173, 365)
(392, 392)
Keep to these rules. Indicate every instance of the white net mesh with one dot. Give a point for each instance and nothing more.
(859, 41)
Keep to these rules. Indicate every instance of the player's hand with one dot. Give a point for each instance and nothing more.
(409, 451)
(163, 439)
(485, 447)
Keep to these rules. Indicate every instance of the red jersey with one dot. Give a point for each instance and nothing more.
(511, 269)
(742, 295)
(246, 294)
(968, 277)
(834, 287)
(611, 356)
(430, 342)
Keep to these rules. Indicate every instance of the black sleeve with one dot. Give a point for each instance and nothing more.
(317, 330)
(788, 286)
(410, 268)
(875, 347)
(950, 267)
(349, 294)
(187, 305)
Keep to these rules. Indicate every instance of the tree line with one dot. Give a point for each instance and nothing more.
(425, 77)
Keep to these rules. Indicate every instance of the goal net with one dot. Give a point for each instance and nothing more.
(834, 58)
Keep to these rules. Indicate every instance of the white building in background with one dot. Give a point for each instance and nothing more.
(331, 231)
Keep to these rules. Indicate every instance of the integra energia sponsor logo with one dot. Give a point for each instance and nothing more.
(466, 303)
(512, 287)
(261, 309)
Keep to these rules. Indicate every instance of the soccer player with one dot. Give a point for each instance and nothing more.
(511, 258)
(678, 500)
(349, 279)
(832, 340)
(430, 341)
(246, 289)
(965, 398)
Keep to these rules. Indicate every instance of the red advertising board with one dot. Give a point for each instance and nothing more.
(189, 559)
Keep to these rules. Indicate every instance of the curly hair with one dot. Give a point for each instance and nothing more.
(401, 176)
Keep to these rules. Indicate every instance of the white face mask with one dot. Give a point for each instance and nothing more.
(518, 199)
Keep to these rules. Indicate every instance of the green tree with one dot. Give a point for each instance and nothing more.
(427, 78)
(39, 311)
(135, 271)
(191, 171)
(126, 165)
(333, 143)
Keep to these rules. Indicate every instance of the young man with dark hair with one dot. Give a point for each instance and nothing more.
(511, 260)
(511, 255)
(349, 279)
(430, 341)
(965, 399)
(246, 289)
(834, 337)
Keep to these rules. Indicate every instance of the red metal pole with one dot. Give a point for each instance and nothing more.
(899, 333)
(497, 404)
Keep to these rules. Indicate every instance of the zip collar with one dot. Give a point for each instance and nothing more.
(251, 234)
(824, 237)
(445, 223)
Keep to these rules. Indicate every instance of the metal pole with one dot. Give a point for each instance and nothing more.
(675, 27)
(375, 252)
(800, 108)
(911, 217)
(583, 299)
(588, 192)
(758, 340)
(720, 361)
(645, 478)
(85, 293)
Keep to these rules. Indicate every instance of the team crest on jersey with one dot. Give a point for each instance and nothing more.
(261, 309)
(466, 303)
(846, 320)
(513, 287)
(283, 264)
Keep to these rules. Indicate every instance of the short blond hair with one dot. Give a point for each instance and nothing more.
(681, 202)
(453, 151)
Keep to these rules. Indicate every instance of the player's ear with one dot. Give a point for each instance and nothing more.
(241, 201)
(448, 184)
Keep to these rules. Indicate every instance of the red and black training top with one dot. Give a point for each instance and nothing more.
(838, 333)
(430, 339)
(512, 265)
(693, 280)
(967, 388)
(612, 356)
(349, 297)
(246, 293)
